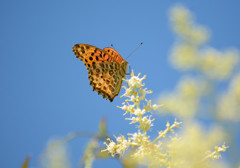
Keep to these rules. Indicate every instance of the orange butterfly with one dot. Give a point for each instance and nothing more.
(106, 69)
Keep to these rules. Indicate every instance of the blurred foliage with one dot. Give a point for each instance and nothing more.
(199, 96)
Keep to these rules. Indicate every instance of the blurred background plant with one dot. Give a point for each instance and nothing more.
(199, 97)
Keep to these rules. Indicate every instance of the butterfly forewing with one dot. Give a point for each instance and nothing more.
(105, 69)
(90, 54)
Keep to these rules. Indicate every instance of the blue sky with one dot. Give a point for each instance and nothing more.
(44, 89)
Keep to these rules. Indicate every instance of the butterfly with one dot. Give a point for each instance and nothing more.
(106, 69)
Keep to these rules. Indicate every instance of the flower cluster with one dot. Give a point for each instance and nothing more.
(183, 25)
(194, 146)
(139, 109)
(135, 94)
(184, 101)
(189, 52)
(162, 150)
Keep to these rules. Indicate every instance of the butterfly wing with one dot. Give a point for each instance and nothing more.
(114, 54)
(91, 55)
(105, 78)
(105, 70)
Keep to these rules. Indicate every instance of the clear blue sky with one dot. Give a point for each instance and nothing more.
(44, 89)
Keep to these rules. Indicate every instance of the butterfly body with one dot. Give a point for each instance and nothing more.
(106, 69)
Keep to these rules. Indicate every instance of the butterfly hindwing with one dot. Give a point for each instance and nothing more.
(105, 78)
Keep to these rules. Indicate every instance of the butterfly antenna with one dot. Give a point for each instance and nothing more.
(134, 50)
(112, 46)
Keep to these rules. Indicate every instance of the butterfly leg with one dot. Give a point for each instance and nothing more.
(129, 70)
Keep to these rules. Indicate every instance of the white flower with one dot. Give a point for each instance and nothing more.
(133, 119)
(146, 123)
(135, 81)
(149, 106)
(111, 147)
(139, 112)
(129, 92)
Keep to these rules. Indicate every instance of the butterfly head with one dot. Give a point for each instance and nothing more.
(124, 65)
